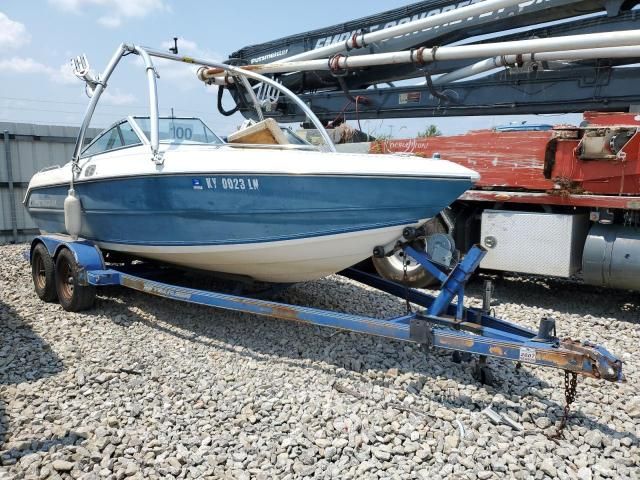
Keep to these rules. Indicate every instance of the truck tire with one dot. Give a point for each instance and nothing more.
(391, 268)
(43, 274)
(73, 296)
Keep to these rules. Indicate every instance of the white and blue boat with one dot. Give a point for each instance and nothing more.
(170, 190)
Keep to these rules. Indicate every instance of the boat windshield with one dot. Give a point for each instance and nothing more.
(180, 130)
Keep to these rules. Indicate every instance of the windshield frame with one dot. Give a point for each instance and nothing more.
(136, 130)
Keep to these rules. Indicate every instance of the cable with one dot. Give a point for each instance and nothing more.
(226, 113)
(341, 113)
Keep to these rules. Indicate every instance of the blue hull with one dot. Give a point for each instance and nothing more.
(186, 210)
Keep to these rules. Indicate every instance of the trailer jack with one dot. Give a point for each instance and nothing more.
(439, 323)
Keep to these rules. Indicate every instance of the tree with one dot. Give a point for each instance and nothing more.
(431, 131)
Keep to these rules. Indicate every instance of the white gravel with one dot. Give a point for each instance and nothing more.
(143, 387)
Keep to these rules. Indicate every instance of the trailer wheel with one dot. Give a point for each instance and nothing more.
(72, 296)
(392, 268)
(43, 274)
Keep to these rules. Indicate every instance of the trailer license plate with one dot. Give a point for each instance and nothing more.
(527, 354)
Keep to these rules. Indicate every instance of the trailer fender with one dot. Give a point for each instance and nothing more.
(86, 253)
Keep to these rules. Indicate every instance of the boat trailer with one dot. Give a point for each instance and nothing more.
(439, 323)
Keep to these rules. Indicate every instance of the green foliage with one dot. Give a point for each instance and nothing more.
(431, 131)
(383, 136)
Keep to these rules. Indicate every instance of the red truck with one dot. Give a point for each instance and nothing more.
(561, 201)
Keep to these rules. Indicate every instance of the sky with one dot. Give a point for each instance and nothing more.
(38, 37)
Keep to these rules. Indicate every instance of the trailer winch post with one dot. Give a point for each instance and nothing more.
(452, 285)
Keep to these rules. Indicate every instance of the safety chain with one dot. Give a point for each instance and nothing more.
(404, 280)
(570, 385)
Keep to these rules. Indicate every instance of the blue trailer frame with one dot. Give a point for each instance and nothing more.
(442, 323)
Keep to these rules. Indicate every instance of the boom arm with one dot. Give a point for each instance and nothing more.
(540, 87)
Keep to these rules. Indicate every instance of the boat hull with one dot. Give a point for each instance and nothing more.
(286, 261)
(279, 228)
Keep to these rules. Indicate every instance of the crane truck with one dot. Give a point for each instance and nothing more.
(559, 201)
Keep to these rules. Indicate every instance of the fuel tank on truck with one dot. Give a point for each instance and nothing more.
(611, 256)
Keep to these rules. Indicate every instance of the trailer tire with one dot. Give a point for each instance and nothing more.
(43, 274)
(390, 268)
(73, 296)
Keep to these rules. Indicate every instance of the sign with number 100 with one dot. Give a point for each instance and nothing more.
(181, 133)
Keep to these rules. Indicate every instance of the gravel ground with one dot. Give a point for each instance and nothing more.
(143, 387)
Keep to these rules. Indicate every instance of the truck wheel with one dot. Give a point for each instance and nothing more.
(43, 274)
(72, 296)
(392, 268)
